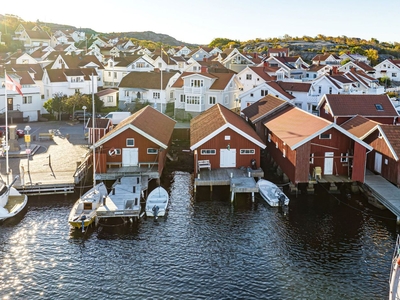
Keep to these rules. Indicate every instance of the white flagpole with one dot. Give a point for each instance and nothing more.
(161, 79)
(6, 123)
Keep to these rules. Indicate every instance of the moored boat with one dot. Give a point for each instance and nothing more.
(394, 293)
(157, 202)
(272, 194)
(11, 201)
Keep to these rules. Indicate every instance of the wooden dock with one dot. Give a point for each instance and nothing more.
(385, 192)
(239, 180)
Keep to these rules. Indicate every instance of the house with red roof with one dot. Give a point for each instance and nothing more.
(223, 139)
(384, 159)
(300, 142)
(138, 144)
(342, 107)
(389, 68)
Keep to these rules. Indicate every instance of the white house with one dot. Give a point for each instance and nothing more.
(196, 92)
(109, 97)
(251, 76)
(389, 68)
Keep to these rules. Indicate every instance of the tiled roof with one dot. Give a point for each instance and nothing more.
(56, 75)
(278, 88)
(294, 125)
(106, 92)
(31, 68)
(98, 123)
(213, 119)
(295, 86)
(220, 83)
(152, 122)
(392, 133)
(359, 126)
(260, 71)
(146, 80)
(365, 105)
(37, 34)
(263, 107)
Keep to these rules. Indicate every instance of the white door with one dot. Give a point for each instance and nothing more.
(328, 164)
(378, 162)
(227, 158)
(130, 157)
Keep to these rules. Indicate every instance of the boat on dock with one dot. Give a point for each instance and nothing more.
(394, 281)
(11, 201)
(123, 200)
(157, 202)
(272, 194)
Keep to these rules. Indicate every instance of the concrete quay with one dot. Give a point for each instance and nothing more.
(52, 162)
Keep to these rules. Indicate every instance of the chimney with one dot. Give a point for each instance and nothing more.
(254, 55)
(334, 68)
(204, 69)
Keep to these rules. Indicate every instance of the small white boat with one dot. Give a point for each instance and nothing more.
(11, 201)
(394, 281)
(271, 193)
(83, 213)
(157, 202)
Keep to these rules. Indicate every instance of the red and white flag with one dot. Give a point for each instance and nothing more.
(12, 85)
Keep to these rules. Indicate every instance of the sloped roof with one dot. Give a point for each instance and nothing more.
(146, 80)
(392, 134)
(37, 34)
(260, 71)
(359, 126)
(98, 123)
(295, 86)
(216, 119)
(263, 107)
(31, 68)
(148, 122)
(365, 105)
(106, 92)
(220, 82)
(294, 126)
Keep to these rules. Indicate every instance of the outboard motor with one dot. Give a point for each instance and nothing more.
(281, 200)
(155, 210)
(83, 218)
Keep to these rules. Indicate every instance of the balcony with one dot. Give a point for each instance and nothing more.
(194, 107)
(77, 85)
(194, 90)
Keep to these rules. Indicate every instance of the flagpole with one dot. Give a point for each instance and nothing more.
(161, 79)
(6, 123)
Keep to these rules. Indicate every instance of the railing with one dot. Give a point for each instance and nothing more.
(193, 90)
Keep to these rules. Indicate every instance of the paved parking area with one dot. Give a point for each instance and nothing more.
(54, 161)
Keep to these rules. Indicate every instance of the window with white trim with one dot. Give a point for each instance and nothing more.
(182, 98)
(196, 83)
(27, 100)
(156, 95)
(247, 151)
(208, 152)
(109, 99)
(264, 93)
(325, 136)
(248, 76)
(193, 100)
(311, 158)
(227, 137)
(212, 100)
(344, 157)
(130, 142)
(152, 151)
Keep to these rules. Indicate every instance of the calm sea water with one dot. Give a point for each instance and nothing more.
(326, 247)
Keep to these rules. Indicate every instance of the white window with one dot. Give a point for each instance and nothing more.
(182, 98)
(247, 151)
(130, 142)
(319, 90)
(156, 95)
(140, 65)
(118, 151)
(227, 138)
(27, 100)
(212, 100)
(152, 151)
(193, 100)
(325, 136)
(264, 92)
(226, 101)
(115, 75)
(248, 76)
(276, 144)
(344, 157)
(208, 151)
(311, 158)
(330, 90)
(196, 82)
(109, 99)
(126, 93)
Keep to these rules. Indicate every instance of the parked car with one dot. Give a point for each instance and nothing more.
(80, 115)
(19, 132)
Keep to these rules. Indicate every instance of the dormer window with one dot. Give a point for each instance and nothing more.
(379, 107)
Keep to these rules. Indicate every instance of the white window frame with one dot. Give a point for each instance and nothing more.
(208, 152)
(156, 95)
(128, 144)
(212, 100)
(247, 151)
(325, 136)
(312, 158)
(344, 157)
(27, 100)
(152, 151)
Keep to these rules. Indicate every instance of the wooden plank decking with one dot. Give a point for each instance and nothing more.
(385, 192)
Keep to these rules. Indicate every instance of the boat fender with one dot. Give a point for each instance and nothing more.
(112, 152)
(398, 261)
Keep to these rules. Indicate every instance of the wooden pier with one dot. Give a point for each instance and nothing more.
(239, 180)
(385, 192)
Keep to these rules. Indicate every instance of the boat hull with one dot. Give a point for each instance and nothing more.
(394, 283)
(15, 204)
(157, 198)
(84, 210)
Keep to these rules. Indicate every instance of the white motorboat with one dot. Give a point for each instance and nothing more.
(11, 201)
(83, 213)
(394, 282)
(272, 194)
(157, 202)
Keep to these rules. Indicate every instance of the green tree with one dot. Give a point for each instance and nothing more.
(345, 61)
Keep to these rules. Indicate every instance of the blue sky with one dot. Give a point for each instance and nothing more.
(200, 23)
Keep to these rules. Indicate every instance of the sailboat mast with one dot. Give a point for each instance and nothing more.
(93, 134)
(5, 145)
